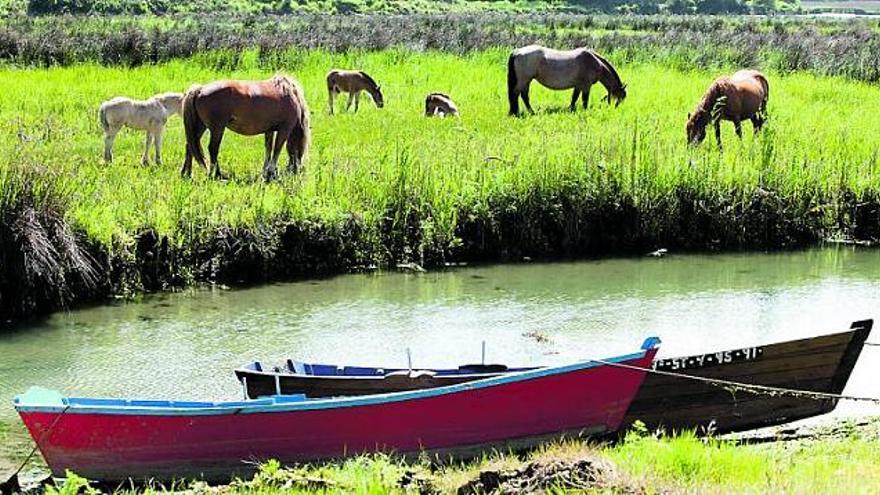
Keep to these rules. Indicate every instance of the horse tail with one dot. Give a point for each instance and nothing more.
(193, 124)
(301, 135)
(512, 95)
(102, 116)
(766, 84)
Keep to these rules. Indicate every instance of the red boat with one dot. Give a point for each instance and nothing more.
(114, 440)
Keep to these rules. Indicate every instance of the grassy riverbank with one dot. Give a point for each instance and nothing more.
(843, 461)
(388, 187)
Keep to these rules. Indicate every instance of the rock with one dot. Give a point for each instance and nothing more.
(538, 476)
(411, 267)
(413, 481)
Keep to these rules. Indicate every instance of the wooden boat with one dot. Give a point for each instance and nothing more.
(112, 440)
(819, 364)
(330, 380)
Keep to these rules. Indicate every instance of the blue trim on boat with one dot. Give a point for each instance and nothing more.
(39, 399)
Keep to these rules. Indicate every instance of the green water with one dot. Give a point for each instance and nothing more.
(185, 345)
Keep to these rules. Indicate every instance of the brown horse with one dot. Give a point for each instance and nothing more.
(742, 96)
(353, 82)
(275, 108)
(560, 69)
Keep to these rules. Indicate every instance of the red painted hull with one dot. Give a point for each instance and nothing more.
(115, 447)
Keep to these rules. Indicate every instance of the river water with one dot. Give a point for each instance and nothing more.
(185, 345)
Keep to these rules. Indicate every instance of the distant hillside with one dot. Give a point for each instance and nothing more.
(50, 7)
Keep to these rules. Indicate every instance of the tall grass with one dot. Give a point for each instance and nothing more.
(44, 262)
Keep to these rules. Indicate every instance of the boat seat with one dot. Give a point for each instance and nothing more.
(297, 367)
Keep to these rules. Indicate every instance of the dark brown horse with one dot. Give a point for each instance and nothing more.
(275, 108)
(560, 69)
(742, 96)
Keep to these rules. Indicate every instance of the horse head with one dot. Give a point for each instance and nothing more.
(618, 94)
(172, 102)
(378, 99)
(696, 127)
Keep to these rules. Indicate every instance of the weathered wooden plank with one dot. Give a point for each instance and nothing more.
(821, 364)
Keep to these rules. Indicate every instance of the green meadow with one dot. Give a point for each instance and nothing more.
(821, 140)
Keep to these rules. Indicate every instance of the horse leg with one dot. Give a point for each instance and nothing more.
(525, 99)
(280, 138)
(186, 168)
(269, 142)
(357, 100)
(585, 97)
(331, 96)
(109, 138)
(574, 99)
(294, 145)
(157, 142)
(718, 132)
(296, 149)
(757, 123)
(214, 150)
(739, 130)
(146, 158)
(350, 101)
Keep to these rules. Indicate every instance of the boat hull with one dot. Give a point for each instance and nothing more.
(118, 443)
(819, 364)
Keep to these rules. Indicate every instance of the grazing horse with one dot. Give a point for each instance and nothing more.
(440, 105)
(579, 69)
(150, 115)
(736, 98)
(275, 108)
(352, 82)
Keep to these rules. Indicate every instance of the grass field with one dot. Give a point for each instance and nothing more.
(388, 186)
(820, 140)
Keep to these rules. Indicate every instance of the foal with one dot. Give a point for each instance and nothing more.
(352, 82)
(150, 116)
(440, 105)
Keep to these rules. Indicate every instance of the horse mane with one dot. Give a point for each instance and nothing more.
(286, 85)
(610, 67)
(710, 97)
(369, 79)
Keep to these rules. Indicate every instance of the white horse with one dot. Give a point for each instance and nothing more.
(440, 104)
(150, 116)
